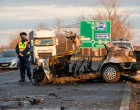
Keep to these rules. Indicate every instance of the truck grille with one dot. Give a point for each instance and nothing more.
(44, 55)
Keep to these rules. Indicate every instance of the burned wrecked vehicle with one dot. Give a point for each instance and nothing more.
(56, 70)
(117, 61)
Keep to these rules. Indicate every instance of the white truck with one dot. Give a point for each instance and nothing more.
(43, 44)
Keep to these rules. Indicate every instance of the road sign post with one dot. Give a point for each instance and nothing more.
(94, 34)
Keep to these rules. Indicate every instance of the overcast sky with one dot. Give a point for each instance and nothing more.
(25, 15)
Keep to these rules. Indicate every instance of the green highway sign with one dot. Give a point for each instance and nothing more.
(94, 34)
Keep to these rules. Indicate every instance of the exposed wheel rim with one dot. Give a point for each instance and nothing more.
(110, 73)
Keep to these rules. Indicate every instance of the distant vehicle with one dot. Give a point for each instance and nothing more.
(43, 44)
(123, 44)
(9, 59)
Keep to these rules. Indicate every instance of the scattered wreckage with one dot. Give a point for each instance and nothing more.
(118, 61)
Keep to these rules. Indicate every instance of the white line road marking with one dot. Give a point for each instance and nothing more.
(126, 99)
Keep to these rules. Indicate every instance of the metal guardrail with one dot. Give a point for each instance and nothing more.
(94, 58)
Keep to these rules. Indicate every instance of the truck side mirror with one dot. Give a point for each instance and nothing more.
(56, 41)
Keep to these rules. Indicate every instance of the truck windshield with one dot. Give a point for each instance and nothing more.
(123, 45)
(44, 42)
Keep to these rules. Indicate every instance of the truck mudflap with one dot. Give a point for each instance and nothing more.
(135, 77)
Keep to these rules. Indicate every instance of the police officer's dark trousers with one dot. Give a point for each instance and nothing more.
(25, 65)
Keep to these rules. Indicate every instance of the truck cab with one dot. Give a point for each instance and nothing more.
(43, 44)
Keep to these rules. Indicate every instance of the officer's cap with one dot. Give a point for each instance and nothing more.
(23, 33)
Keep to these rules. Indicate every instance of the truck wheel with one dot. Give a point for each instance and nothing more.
(40, 78)
(110, 73)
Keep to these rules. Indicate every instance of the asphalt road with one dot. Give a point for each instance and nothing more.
(95, 95)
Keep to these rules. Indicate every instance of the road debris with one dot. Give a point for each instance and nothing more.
(35, 101)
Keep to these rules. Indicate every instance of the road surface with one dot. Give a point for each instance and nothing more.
(95, 95)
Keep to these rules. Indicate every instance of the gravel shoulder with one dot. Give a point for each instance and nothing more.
(135, 96)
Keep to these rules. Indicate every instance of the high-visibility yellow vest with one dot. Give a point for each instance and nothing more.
(22, 46)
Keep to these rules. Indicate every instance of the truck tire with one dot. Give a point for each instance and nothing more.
(40, 78)
(111, 73)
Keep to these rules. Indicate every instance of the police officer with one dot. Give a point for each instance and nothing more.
(23, 51)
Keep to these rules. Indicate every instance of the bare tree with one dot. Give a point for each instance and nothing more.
(59, 24)
(13, 42)
(80, 18)
(41, 26)
(120, 25)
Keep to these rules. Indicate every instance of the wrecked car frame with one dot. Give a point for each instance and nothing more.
(117, 61)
